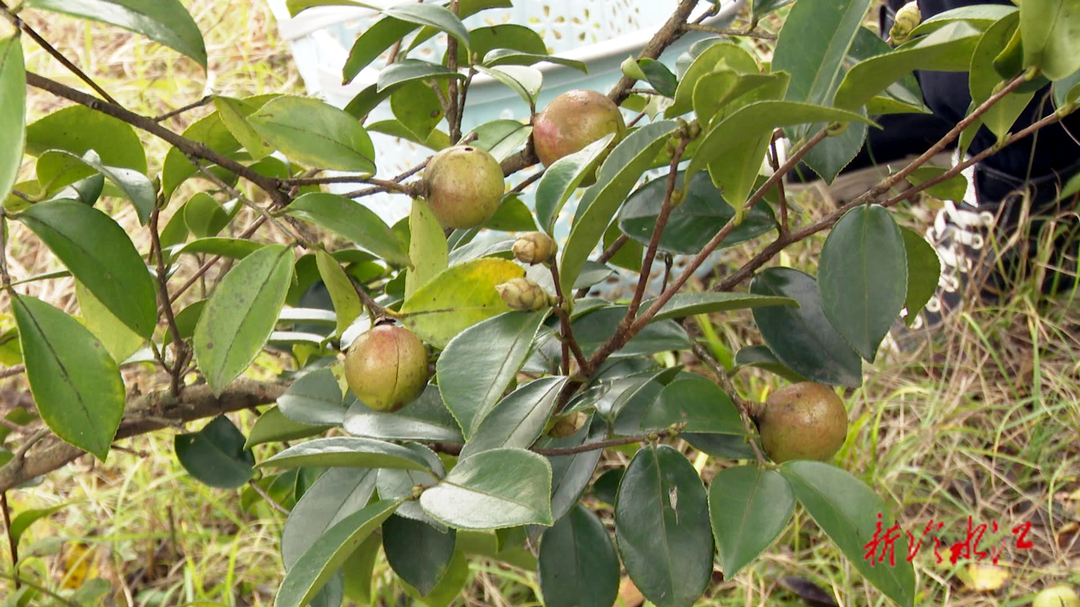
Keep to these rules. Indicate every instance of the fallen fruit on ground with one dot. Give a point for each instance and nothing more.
(803, 421)
(386, 368)
(1058, 596)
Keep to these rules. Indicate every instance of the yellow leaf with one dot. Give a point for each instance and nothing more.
(985, 578)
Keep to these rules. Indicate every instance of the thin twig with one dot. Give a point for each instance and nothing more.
(453, 109)
(568, 339)
(672, 30)
(384, 184)
(179, 345)
(231, 191)
(187, 108)
(774, 161)
(12, 371)
(269, 500)
(455, 448)
(377, 189)
(203, 269)
(747, 33)
(13, 545)
(531, 179)
(745, 409)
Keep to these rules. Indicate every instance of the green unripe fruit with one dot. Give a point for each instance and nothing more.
(572, 121)
(523, 295)
(534, 247)
(803, 421)
(463, 185)
(386, 368)
(1058, 596)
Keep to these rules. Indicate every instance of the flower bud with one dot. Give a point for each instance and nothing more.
(567, 425)
(907, 19)
(534, 247)
(524, 295)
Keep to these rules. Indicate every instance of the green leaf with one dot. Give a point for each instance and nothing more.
(847, 511)
(764, 7)
(682, 305)
(272, 426)
(458, 298)
(358, 569)
(164, 21)
(562, 179)
(427, 247)
(507, 37)
(523, 80)
(863, 277)
(696, 402)
(802, 338)
(500, 138)
(24, 519)
(54, 169)
(234, 115)
(216, 454)
(1067, 90)
(762, 357)
(78, 129)
(578, 566)
(983, 78)
(315, 133)
(319, 562)
(12, 111)
(480, 362)
(417, 552)
(924, 268)
(240, 314)
(352, 220)
(954, 188)
(233, 248)
(691, 225)
(119, 341)
(337, 494)
(204, 217)
(1051, 33)
(402, 483)
(511, 216)
(512, 57)
(416, 105)
(431, 15)
(620, 171)
(947, 49)
(570, 474)
(412, 70)
(979, 16)
(595, 328)
(342, 292)
(341, 451)
(517, 420)
(424, 419)
(372, 42)
(720, 55)
(100, 255)
(749, 507)
(493, 489)
(662, 527)
(314, 399)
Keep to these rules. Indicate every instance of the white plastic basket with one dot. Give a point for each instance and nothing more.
(600, 33)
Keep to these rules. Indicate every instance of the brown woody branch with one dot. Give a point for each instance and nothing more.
(672, 30)
(146, 413)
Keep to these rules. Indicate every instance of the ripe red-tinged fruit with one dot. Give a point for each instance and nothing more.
(463, 186)
(386, 368)
(803, 421)
(572, 121)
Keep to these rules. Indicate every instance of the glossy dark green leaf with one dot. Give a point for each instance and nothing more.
(802, 338)
(240, 314)
(358, 569)
(75, 383)
(517, 420)
(863, 277)
(682, 305)
(816, 62)
(100, 254)
(424, 419)
(620, 171)
(578, 565)
(12, 111)
(727, 446)
(315, 133)
(512, 216)
(748, 507)
(78, 129)
(662, 527)
(352, 220)
(595, 328)
(693, 223)
(697, 402)
(314, 399)
(417, 107)
(477, 366)
(923, 270)
(119, 341)
(318, 564)
(493, 489)
(847, 511)
(715, 55)
(606, 487)
(946, 49)
(164, 21)
(417, 552)
(457, 298)
(762, 357)
(506, 36)
(273, 426)
(186, 319)
(397, 483)
(570, 474)
(562, 179)
(979, 16)
(412, 70)
(431, 15)
(350, 452)
(1051, 33)
(338, 493)
(372, 42)
(216, 454)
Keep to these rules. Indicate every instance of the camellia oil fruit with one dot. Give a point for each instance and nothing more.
(463, 185)
(386, 367)
(803, 421)
(572, 121)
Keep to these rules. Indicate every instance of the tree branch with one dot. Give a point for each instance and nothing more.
(146, 413)
(671, 31)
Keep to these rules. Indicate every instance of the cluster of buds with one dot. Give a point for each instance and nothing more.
(524, 295)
